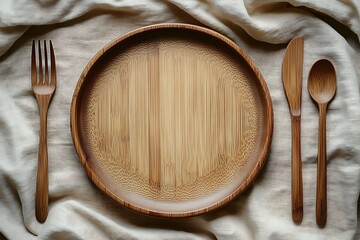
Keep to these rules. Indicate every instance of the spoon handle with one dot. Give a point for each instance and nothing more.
(296, 181)
(321, 195)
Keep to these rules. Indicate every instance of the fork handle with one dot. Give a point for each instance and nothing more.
(296, 181)
(42, 182)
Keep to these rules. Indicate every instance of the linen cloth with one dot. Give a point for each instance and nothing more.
(79, 28)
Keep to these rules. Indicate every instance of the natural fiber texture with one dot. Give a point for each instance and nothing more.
(78, 29)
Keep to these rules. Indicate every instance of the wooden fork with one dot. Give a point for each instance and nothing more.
(43, 88)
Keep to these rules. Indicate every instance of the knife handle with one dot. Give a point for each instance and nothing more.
(296, 172)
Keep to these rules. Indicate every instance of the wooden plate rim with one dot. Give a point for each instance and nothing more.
(269, 118)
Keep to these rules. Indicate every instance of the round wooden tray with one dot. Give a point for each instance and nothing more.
(172, 120)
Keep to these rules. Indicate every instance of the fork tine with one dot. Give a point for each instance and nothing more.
(40, 65)
(33, 64)
(46, 64)
(53, 65)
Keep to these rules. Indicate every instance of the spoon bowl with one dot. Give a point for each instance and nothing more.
(322, 81)
(322, 87)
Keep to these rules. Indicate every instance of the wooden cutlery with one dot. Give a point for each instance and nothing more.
(322, 87)
(292, 81)
(43, 87)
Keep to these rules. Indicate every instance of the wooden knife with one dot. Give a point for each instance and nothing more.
(292, 68)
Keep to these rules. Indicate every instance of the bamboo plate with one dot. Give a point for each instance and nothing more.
(172, 120)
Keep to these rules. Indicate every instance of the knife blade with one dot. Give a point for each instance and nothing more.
(292, 68)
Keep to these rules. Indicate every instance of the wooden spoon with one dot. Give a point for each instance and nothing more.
(322, 87)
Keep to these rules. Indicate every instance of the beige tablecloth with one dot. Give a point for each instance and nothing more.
(79, 28)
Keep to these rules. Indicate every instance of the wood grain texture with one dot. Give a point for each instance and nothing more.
(43, 87)
(322, 88)
(321, 183)
(296, 171)
(172, 120)
(292, 81)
